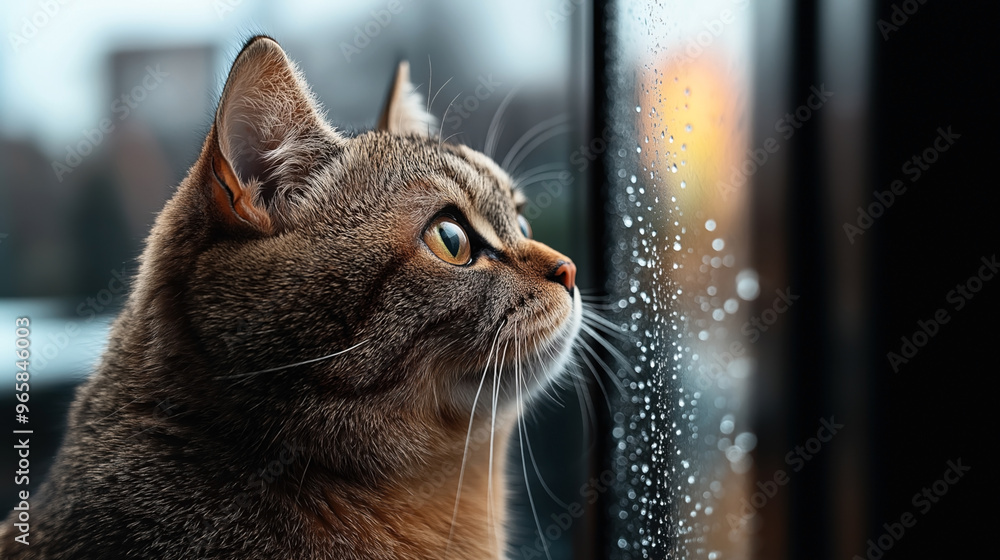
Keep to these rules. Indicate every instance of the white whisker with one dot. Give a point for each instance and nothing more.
(493, 132)
(534, 144)
(615, 353)
(531, 133)
(468, 436)
(302, 363)
(524, 466)
(445, 117)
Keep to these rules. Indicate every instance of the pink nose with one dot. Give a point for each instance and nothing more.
(565, 274)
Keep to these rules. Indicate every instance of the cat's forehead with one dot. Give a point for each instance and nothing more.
(456, 175)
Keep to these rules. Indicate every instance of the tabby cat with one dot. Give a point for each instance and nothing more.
(324, 352)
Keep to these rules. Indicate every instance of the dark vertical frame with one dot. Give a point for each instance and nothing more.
(597, 542)
(810, 352)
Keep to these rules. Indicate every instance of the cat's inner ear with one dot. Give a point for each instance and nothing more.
(267, 134)
(404, 111)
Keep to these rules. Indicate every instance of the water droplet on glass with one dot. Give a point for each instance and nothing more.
(747, 285)
(727, 425)
(710, 225)
(718, 244)
(731, 306)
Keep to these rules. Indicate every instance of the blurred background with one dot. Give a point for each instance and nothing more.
(771, 204)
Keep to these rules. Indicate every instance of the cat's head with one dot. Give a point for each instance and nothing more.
(290, 241)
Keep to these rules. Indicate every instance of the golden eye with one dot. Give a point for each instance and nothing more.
(525, 226)
(448, 241)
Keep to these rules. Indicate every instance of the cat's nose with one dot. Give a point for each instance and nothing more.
(565, 274)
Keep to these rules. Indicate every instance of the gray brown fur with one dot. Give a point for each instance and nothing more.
(165, 441)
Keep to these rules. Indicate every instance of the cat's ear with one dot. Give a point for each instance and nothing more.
(404, 111)
(267, 131)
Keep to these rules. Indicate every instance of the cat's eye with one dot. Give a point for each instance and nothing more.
(522, 222)
(448, 241)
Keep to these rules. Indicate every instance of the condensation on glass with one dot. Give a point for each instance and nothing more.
(681, 277)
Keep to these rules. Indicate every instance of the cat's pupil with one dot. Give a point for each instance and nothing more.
(450, 238)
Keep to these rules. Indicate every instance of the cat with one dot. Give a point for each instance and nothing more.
(324, 352)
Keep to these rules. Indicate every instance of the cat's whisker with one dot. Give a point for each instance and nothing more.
(493, 132)
(538, 473)
(490, 500)
(616, 333)
(430, 80)
(431, 102)
(521, 429)
(615, 352)
(534, 144)
(600, 384)
(597, 307)
(592, 315)
(611, 374)
(538, 178)
(445, 117)
(450, 136)
(588, 416)
(468, 437)
(302, 363)
(526, 178)
(532, 132)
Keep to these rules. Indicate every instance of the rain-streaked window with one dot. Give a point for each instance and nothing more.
(680, 274)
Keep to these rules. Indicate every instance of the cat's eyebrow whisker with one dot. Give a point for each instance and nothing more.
(431, 102)
(493, 132)
(468, 436)
(530, 140)
(445, 117)
(553, 170)
(450, 136)
(430, 79)
(302, 363)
